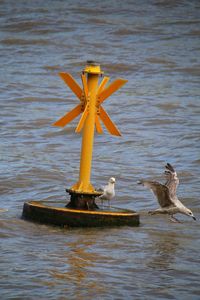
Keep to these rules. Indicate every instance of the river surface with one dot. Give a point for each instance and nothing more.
(154, 44)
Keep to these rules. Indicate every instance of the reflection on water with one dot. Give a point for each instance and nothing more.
(79, 259)
(155, 46)
(164, 250)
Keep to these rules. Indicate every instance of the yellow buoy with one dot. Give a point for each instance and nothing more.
(82, 210)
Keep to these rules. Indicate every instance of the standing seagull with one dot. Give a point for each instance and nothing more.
(166, 195)
(108, 191)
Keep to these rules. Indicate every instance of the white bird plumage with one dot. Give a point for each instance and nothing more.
(108, 191)
(166, 195)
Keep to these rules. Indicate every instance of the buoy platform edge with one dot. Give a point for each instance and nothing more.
(66, 217)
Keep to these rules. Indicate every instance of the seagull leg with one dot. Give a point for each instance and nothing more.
(173, 219)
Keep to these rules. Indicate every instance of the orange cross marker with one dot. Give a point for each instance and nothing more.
(91, 98)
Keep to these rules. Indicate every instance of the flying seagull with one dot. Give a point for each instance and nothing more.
(166, 195)
(108, 191)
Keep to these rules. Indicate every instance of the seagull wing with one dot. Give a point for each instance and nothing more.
(103, 189)
(170, 168)
(108, 192)
(160, 191)
(172, 179)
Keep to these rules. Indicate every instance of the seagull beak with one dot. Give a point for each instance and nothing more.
(194, 218)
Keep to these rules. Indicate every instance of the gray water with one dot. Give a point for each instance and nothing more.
(155, 45)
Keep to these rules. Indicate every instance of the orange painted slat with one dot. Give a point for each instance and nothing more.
(114, 86)
(111, 127)
(102, 84)
(72, 84)
(68, 117)
(82, 120)
(98, 125)
(85, 86)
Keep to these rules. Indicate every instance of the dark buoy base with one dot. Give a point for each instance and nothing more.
(48, 213)
(82, 200)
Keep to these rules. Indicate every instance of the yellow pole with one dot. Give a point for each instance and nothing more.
(84, 184)
(88, 136)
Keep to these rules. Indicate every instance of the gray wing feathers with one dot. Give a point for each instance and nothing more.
(160, 191)
(170, 168)
(172, 179)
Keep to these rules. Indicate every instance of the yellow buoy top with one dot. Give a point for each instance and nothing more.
(93, 68)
